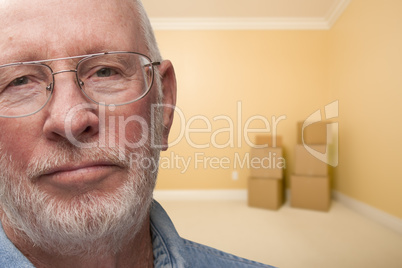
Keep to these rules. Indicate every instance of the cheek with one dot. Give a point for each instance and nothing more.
(18, 140)
(16, 134)
(128, 127)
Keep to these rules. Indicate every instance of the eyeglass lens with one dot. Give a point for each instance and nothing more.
(23, 89)
(116, 78)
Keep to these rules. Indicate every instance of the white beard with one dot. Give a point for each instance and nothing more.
(88, 223)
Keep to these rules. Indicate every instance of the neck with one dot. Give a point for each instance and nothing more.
(137, 252)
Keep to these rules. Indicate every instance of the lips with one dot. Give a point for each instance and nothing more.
(80, 176)
(81, 167)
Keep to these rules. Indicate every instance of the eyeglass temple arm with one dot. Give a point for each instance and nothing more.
(156, 63)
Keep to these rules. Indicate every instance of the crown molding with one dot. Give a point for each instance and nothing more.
(238, 23)
(324, 23)
(336, 11)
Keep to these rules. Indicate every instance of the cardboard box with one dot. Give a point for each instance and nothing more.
(268, 140)
(315, 133)
(265, 193)
(309, 165)
(266, 162)
(310, 192)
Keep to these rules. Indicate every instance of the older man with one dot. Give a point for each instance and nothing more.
(83, 89)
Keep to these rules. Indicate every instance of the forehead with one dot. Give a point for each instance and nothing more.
(42, 29)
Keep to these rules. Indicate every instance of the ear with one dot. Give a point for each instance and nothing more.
(169, 89)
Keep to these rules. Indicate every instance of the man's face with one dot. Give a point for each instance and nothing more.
(38, 159)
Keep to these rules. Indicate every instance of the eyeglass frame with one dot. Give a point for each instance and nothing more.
(50, 87)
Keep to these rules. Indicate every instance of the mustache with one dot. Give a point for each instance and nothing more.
(64, 155)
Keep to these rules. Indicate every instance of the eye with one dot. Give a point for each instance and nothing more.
(20, 81)
(105, 72)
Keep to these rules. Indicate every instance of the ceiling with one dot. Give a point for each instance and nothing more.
(320, 14)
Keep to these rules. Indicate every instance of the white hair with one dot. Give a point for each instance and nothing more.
(87, 224)
(147, 31)
(150, 41)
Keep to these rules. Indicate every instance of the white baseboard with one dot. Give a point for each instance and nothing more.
(370, 212)
(200, 195)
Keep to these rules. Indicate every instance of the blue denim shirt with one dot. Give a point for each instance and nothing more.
(170, 250)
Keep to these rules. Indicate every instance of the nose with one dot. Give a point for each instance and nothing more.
(70, 115)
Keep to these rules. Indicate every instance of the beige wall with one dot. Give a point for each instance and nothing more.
(269, 73)
(292, 74)
(365, 75)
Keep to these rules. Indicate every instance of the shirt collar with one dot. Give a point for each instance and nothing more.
(167, 244)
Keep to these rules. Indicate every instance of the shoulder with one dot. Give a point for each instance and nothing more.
(170, 250)
(204, 256)
(10, 256)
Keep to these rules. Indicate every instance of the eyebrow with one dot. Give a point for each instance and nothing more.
(19, 56)
(17, 59)
(22, 56)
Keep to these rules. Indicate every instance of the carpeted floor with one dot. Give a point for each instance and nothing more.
(289, 237)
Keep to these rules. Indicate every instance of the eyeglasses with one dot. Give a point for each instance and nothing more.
(110, 78)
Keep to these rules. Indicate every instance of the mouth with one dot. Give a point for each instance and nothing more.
(77, 167)
(79, 176)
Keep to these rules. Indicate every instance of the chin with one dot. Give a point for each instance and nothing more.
(88, 223)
